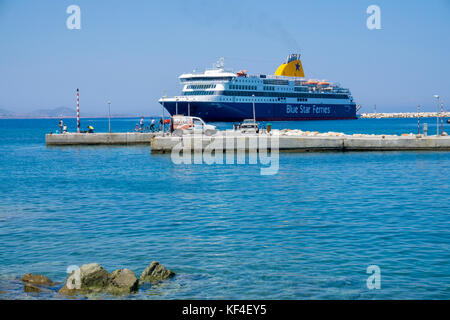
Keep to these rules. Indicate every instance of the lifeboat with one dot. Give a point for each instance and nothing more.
(311, 81)
(242, 73)
(323, 83)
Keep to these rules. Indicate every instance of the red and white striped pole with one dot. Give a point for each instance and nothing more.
(78, 111)
(418, 119)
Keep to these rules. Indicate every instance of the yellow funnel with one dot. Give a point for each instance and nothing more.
(292, 68)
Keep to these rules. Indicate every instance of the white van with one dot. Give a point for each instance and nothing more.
(191, 125)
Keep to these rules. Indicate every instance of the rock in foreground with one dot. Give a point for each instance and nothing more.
(89, 278)
(123, 281)
(37, 279)
(31, 288)
(156, 272)
(92, 278)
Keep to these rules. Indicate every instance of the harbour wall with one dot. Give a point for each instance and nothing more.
(301, 143)
(287, 140)
(116, 138)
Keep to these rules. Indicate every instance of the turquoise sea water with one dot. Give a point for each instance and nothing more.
(308, 232)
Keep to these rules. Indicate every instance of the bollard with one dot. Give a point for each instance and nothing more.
(425, 129)
(418, 119)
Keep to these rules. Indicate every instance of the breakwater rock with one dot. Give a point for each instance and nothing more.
(35, 282)
(89, 278)
(156, 272)
(37, 279)
(123, 281)
(31, 288)
(93, 278)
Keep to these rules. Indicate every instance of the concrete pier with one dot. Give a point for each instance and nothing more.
(302, 143)
(283, 140)
(117, 138)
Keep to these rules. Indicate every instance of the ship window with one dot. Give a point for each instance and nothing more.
(279, 94)
(205, 79)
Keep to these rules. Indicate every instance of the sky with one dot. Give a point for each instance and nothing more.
(130, 52)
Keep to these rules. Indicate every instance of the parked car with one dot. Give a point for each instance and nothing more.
(248, 126)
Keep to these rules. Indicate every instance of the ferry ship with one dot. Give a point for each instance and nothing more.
(221, 95)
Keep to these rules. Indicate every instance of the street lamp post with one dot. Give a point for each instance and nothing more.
(254, 116)
(176, 106)
(109, 116)
(189, 108)
(437, 114)
(164, 97)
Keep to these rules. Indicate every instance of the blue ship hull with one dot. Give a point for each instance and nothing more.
(222, 111)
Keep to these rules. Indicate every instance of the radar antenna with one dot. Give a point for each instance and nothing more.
(220, 63)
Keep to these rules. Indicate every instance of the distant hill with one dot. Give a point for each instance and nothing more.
(62, 112)
(52, 113)
(42, 113)
(6, 113)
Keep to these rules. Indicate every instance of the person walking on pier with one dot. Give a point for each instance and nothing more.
(61, 125)
(152, 125)
(141, 124)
